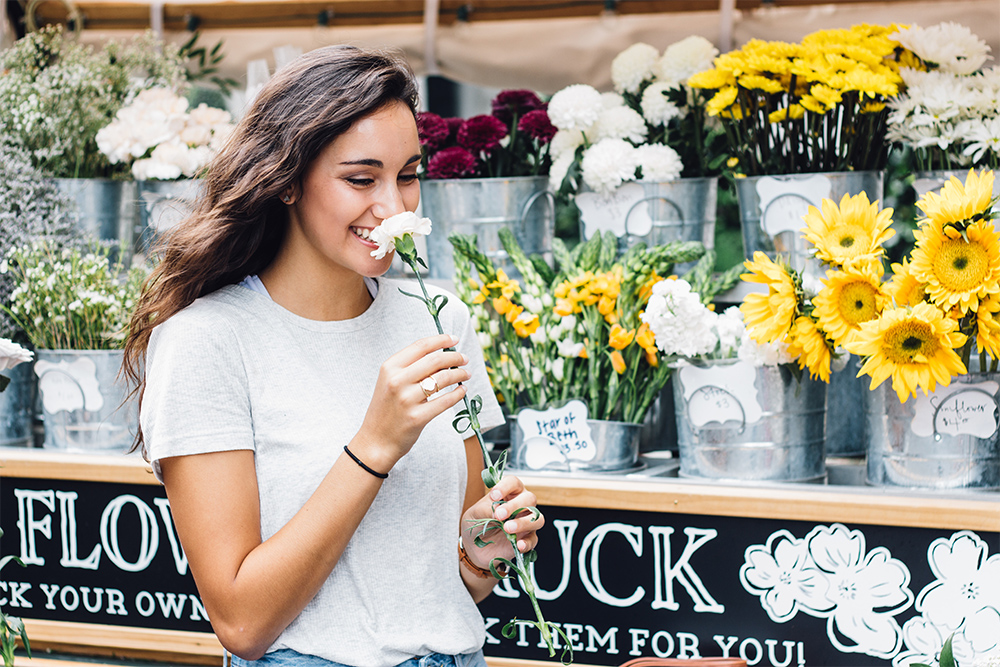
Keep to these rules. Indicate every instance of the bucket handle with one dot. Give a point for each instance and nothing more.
(671, 202)
(530, 201)
(743, 413)
(970, 390)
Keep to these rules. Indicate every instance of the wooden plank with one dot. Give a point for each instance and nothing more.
(46, 464)
(200, 648)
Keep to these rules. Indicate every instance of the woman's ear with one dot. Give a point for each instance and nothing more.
(290, 195)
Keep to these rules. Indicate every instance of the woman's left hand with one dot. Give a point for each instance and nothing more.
(501, 503)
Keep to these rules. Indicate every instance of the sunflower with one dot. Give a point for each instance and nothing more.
(904, 289)
(809, 346)
(851, 296)
(853, 230)
(769, 316)
(914, 346)
(959, 267)
(988, 327)
(958, 203)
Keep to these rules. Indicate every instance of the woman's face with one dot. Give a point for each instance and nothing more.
(367, 174)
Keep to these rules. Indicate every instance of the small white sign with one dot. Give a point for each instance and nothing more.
(556, 435)
(69, 385)
(784, 201)
(958, 409)
(720, 393)
(600, 213)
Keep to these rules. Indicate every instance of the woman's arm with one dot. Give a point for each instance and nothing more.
(252, 589)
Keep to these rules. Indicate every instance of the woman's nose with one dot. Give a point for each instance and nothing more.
(388, 202)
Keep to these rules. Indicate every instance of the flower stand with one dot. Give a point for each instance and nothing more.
(739, 422)
(948, 439)
(84, 406)
(16, 403)
(481, 206)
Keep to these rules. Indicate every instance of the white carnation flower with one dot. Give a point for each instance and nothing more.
(612, 100)
(558, 170)
(949, 45)
(608, 163)
(196, 135)
(565, 141)
(684, 59)
(12, 354)
(396, 227)
(659, 163)
(633, 66)
(729, 328)
(656, 106)
(149, 169)
(763, 354)
(620, 123)
(575, 107)
(682, 324)
(206, 115)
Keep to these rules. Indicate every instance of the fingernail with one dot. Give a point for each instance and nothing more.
(500, 513)
(510, 527)
(465, 359)
(495, 495)
(454, 339)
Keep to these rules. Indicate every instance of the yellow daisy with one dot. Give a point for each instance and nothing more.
(903, 288)
(769, 316)
(958, 202)
(810, 348)
(851, 296)
(914, 346)
(852, 230)
(958, 268)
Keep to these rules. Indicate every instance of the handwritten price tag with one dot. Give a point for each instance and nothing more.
(556, 435)
(784, 201)
(69, 386)
(720, 393)
(958, 409)
(600, 213)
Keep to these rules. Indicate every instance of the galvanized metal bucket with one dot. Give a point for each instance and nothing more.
(16, 403)
(82, 401)
(738, 422)
(106, 209)
(946, 440)
(162, 205)
(617, 449)
(771, 210)
(845, 400)
(481, 206)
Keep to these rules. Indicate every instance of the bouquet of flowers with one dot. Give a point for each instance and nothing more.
(161, 138)
(512, 141)
(948, 114)
(815, 106)
(651, 128)
(56, 94)
(70, 299)
(575, 331)
(917, 327)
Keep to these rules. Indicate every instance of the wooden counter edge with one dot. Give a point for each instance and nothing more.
(47, 464)
(120, 641)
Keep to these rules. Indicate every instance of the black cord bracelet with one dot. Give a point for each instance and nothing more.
(380, 475)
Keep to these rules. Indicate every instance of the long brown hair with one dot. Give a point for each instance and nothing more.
(240, 222)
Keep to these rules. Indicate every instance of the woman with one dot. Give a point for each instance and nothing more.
(288, 397)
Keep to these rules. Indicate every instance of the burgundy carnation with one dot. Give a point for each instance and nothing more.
(451, 162)
(433, 130)
(481, 134)
(511, 102)
(536, 124)
(454, 124)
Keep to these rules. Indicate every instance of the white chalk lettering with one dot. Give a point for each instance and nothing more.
(681, 570)
(639, 637)
(145, 604)
(565, 530)
(27, 525)
(590, 572)
(654, 643)
(595, 639)
(67, 531)
(149, 539)
(180, 558)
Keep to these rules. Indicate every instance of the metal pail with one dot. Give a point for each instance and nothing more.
(740, 422)
(481, 206)
(106, 209)
(945, 440)
(616, 443)
(163, 204)
(845, 400)
(16, 403)
(772, 207)
(82, 399)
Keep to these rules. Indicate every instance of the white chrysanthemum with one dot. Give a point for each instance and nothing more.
(558, 169)
(633, 66)
(729, 329)
(983, 137)
(656, 106)
(659, 163)
(766, 354)
(683, 326)
(612, 100)
(608, 163)
(565, 141)
(685, 58)
(575, 107)
(620, 123)
(949, 45)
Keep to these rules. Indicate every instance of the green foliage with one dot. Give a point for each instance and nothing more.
(11, 627)
(203, 65)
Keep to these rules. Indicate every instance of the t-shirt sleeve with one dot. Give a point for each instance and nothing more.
(196, 398)
(468, 344)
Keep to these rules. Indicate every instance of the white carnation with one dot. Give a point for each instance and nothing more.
(949, 45)
(620, 123)
(565, 141)
(196, 135)
(656, 106)
(684, 59)
(611, 100)
(633, 66)
(608, 163)
(575, 107)
(395, 227)
(206, 115)
(558, 170)
(659, 163)
(682, 324)
(729, 328)
(12, 354)
(763, 354)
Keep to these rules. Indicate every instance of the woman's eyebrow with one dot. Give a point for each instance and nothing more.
(378, 164)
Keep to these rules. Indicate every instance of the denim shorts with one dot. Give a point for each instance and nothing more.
(286, 657)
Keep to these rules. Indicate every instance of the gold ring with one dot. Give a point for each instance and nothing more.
(429, 386)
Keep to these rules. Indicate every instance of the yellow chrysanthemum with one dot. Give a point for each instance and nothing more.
(810, 348)
(851, 296)
(904, 289)
(826, 95)
(810, 103)
(914, 346)
(959, 270)
(958, 202)
(795, 111)
(853, 230)
(712, 79)
(988, 327)
(768, 316)
(760, 82)
(721, 101)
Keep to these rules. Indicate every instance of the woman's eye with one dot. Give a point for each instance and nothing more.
(360, 182)
(407, 178)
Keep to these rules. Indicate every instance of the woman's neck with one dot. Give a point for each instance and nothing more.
(323, 296)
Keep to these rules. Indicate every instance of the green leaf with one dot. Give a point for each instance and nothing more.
(947, 658)
(416, 296)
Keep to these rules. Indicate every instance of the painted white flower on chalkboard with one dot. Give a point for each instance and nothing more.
(777, 572)
(923, 642)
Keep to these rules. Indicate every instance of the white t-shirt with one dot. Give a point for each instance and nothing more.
(234, 370)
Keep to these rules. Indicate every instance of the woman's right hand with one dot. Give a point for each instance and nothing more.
(399, 409)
